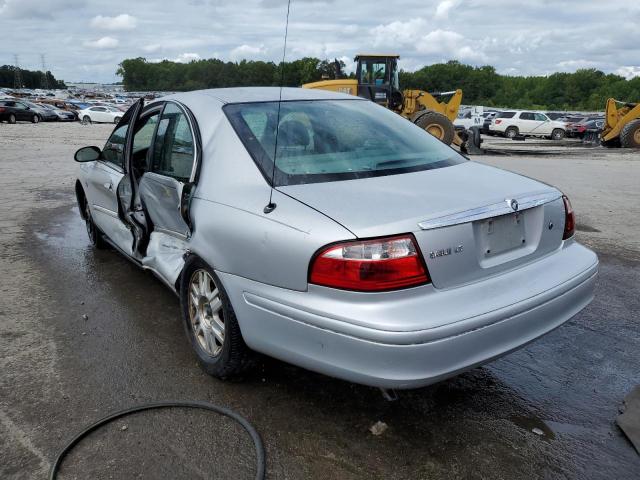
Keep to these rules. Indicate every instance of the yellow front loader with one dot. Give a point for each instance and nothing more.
(621, 125)
(377, 80)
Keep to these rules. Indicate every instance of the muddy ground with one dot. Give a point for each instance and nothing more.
(546, 411)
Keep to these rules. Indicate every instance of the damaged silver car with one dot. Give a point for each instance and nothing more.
(331, 233)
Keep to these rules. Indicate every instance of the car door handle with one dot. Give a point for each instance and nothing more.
(108, 185)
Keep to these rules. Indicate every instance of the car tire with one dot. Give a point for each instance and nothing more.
(511, 132)
(207, 315)
(613, 143)
(557, 134)
(86, 120)
(630, 135)
(116, 120)
(93, 232)
(35, 119)
(12, 118)
(436, 124)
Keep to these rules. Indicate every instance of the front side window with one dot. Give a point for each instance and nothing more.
(113, 151)
(373, 72)
(174, 149)
(329, 140)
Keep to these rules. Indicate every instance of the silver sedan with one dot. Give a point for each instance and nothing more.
(331, 233)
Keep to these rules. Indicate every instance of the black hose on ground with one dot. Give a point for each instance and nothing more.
(253, 433)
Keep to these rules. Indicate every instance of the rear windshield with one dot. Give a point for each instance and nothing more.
(329, 140)
(506, 115)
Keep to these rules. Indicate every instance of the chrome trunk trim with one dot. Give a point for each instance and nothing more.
(488, 211)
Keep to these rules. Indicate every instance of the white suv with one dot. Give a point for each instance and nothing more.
(513, 123)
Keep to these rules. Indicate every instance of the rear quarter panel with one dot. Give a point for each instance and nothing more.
(231, 231)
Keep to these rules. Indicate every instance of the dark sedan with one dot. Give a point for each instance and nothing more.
(43, 113)
(12, 111)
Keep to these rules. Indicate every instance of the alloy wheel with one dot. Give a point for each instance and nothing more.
(206, 313)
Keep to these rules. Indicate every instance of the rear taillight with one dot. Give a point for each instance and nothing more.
(370, 265)
(2, 109)
(569, 219)
(498, 122)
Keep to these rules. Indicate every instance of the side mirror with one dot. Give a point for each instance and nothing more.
(87, 154)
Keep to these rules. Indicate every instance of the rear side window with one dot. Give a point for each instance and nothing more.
(527, 116)
(173, 150)
(330, 140)
(506, 115)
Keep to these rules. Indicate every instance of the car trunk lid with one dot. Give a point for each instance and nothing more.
(461, 216)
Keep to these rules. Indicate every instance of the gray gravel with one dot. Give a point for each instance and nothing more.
(547, 411)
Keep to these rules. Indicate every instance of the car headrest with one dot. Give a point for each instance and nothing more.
(293, 133)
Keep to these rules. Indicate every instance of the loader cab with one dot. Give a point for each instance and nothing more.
(377, 77)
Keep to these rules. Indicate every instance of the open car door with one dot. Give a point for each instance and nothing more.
(157, 194)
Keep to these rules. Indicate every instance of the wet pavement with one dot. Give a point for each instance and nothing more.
(546, 411)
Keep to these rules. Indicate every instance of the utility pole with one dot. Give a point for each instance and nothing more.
(17, 76)
(44, 70)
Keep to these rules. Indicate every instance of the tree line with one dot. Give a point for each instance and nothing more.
(30, 79)
(586, 89)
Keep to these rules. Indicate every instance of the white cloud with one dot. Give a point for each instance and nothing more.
(446, 44)
(414, 37)
(571, 65)
(187, 57)
(119, 22)
(247, 52)
(103, 43)
(444, 7)
(628, 72)
(398, 32)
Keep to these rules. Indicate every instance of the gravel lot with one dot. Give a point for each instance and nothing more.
(546, 411)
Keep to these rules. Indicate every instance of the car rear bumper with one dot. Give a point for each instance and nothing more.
(354, 343)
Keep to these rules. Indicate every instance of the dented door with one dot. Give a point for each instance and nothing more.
(164, 190)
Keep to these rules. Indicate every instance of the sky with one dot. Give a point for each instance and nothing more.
(85, 40)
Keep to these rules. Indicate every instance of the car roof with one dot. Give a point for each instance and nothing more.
(256, 94)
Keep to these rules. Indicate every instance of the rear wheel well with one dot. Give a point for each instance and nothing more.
(82, 199)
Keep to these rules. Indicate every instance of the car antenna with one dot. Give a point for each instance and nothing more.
(272, 206)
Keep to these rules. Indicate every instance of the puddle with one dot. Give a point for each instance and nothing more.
(534, 425)
(582, 227)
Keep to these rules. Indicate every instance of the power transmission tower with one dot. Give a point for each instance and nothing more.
(44, 70)
(17, 76)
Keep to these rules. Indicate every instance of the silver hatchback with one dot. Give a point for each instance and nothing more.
(329, 232)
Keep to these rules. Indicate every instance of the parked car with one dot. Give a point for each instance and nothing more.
(486, 124)
(13, 110)
(100, 114)
(512, 124)
(59, 104)
(44, 113)
(577, 129)
(77, 105)
(329, 232)
(62, 115)
(555, 115)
